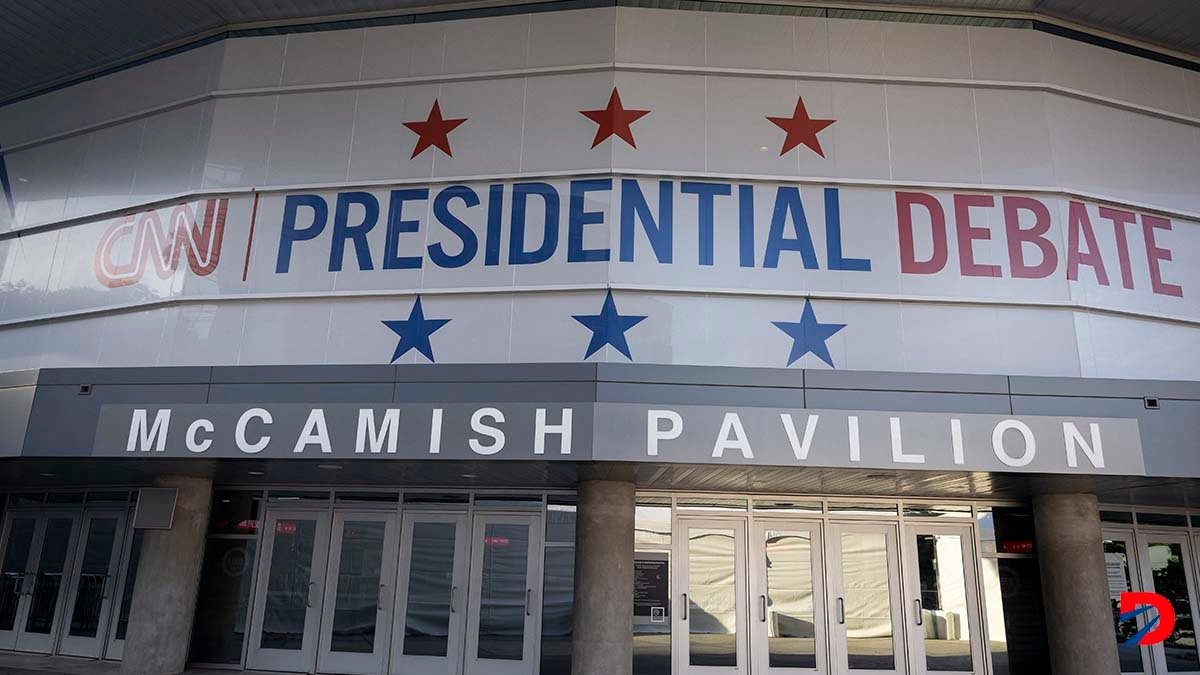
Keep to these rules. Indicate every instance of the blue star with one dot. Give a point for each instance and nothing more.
(414, 332)
(808, 336)
(608, 327)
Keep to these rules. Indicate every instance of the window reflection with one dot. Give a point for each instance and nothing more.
(286, 602)
(1170, 581)
(503, 592)
(357, 602)
(430, 574)
(944, 618)
(791, 633)
(868, 603)
(712, 597)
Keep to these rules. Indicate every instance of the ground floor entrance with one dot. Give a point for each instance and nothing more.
(65, 576)
(422, 592)
(790, 596)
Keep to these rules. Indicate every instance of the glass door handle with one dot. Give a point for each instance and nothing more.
(841, 609)
(453, 592)
(685, 606)
(528, 602)
(379, 600)
(308, 598)
(917, 606)
(762, 606)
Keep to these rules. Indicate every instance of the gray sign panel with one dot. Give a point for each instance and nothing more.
(628, 432)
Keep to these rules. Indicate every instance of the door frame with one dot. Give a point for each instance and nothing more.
(94, 647)
(1182, 537)
(302, 660)
(38, 642)
(480, 519)
(1133, 561)
(835, 589)
(376, 661)
(760, 586)
(912, 583)
(680, 621)
(452, 662)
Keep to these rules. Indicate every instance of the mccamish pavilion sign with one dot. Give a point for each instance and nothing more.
(628, 432)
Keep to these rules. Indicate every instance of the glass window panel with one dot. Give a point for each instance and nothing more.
(135, 556)
(558, 593)
(791, 631)
(560, 520)
(937, 511)
(235, 512)
(12, 572)
(1162, 519)
(985, 526)
(92, 583)
(366, 497)
(1116, 559)
(712, 597)
(49, 578)
(1171, 581)
(868, 602)
(944, 615)
(710, 504)
(430, 578)
(862, 509)
(1123, 517)
(286, 603)
(787, 506)
(1016, 623)
(69, 497)
(502, 592)
(222, 605)
(437, 498)
(27, 498)
(652, 539)
(294, 496)
(493, 501)
(652, 527)
(356, 607)
(117, 497)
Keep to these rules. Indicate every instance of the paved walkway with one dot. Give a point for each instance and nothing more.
(12, 663)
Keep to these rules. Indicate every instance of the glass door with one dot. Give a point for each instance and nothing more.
(787, 598)
(93, 582)
(15, 566)
(711, 623)
(358, 593)
(502, 608)
(430, 618)
(864, 588)
(1120, 559)
(1167, 570)
(287, 608)
(44, 593)
(943, 610)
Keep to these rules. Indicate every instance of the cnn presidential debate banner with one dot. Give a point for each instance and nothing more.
(665, 233)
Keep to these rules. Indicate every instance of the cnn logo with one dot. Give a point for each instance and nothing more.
(134, 242)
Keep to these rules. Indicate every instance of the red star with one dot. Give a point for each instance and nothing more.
(614, 120)
(434, 131)
(800, 128)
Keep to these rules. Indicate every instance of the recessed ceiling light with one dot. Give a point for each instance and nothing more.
(331, 467)
(255, 473)
(469, 475)
(47, 475)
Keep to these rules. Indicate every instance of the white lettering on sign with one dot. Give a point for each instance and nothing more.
(435, 432)
(800, 448)
(315, 432)
(190, 438)
(141, 438)
(494, 433)
(732, 437)
(385, 434)
(239, 435)
(1075, 441)
(1027, 454)
(541, 429)
(655, 432)
(898, 455)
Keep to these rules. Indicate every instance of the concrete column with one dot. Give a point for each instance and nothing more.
(164, 595)
(603, 640)
(1075, 585)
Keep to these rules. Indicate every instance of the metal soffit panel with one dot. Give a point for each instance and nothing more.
(53, 41)
(34, 474)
